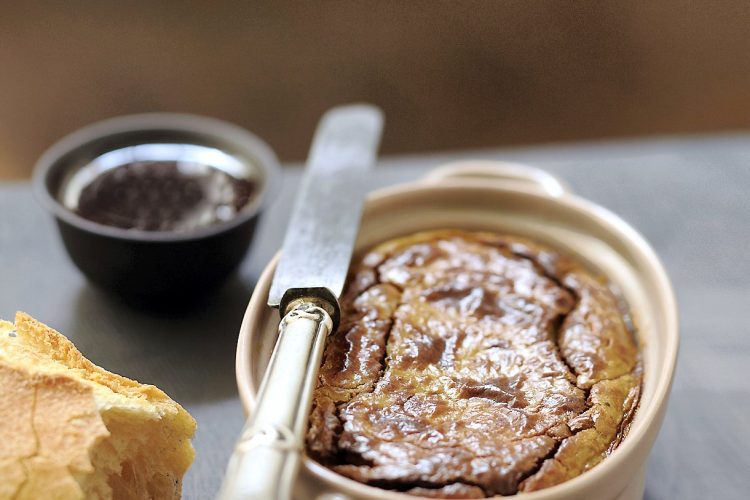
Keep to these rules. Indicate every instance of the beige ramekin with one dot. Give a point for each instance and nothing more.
(530, 202)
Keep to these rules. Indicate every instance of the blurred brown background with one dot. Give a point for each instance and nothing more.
(448, 74)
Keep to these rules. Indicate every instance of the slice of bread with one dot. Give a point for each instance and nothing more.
(72, 430)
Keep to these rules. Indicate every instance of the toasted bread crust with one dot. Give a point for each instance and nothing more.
(54, 405)
(50, 342)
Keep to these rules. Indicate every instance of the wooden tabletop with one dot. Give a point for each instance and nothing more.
(688, 196)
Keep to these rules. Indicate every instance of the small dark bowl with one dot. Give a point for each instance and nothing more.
(154, 267)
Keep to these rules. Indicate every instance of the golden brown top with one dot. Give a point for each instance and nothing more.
(472, 364)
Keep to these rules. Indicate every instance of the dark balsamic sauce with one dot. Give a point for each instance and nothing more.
(164, 196)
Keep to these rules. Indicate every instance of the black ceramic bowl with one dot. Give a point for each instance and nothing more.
(155, 266)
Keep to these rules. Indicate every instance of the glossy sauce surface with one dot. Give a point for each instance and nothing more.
(163, 196)
(470, 365)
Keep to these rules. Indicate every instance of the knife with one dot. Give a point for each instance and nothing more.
(306, 286)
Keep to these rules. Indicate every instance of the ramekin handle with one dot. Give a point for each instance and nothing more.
(500, 172)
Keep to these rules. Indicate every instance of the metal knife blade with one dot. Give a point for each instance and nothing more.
(320, 238)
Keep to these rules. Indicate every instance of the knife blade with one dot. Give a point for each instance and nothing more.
(323, 227)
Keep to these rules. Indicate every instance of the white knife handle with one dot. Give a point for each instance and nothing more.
(266, 459)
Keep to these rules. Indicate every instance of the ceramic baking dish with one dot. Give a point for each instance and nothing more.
(510, 198)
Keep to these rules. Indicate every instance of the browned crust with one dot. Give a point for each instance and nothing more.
(51, 421)
(57, 347)
(379, 414)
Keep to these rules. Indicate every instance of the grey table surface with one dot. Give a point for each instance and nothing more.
(688, 195)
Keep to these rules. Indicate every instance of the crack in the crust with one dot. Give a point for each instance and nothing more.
(560, 319)
(629, 411)
(27, 473)
(387, 337)
(384, 361)
(474, 454)
(551, 454)
(371, 386)
(557, 323)
(359, 389)
(619, 435)
(543, 271)
(427, 485)
(629, 326)
(403, 486)
(622, 307)
(540, 463)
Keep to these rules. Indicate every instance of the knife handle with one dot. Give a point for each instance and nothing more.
(266, 459)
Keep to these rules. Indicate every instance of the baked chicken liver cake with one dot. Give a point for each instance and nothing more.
(473, 364)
